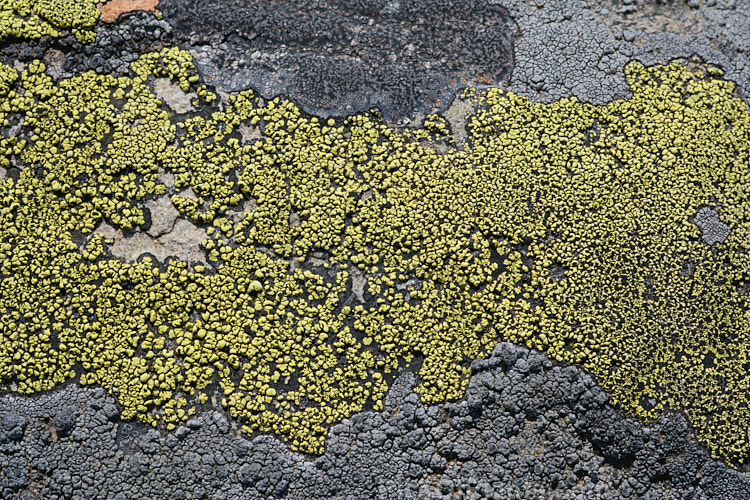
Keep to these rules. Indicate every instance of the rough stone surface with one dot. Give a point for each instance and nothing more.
(580, 47)
(116, 46)
(181, 240)
(336, 57)
(528, 428)
(113, 9)
(171, 93)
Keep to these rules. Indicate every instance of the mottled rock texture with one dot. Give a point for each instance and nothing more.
(528, 428)
(405, 57)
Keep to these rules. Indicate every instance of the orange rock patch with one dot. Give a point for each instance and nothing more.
(115, 8)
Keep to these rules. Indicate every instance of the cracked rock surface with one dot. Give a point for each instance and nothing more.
(337, 57)
(579, 47)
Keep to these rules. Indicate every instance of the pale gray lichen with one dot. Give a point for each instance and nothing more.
(713, 230)
(579, 47)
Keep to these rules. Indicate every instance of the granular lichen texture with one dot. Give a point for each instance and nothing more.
(38, 18)
(339, 250)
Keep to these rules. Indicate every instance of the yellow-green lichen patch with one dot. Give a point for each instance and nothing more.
(37, 18)
(565, 227)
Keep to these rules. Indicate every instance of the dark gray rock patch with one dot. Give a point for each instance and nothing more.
(527, 429)
(339, 56)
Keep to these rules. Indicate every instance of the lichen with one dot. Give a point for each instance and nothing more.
(565, 227)
(38, 18)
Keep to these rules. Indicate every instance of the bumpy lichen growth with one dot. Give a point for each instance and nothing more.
(37, 18)
(565, 227)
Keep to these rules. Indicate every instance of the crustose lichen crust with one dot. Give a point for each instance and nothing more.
(566, 227)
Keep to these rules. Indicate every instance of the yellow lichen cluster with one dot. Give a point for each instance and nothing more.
(565, 227)
(37, 18)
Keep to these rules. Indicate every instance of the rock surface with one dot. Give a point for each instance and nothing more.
(527, 429)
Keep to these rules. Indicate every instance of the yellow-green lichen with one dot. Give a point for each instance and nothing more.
(37, 18)
(564, 227)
